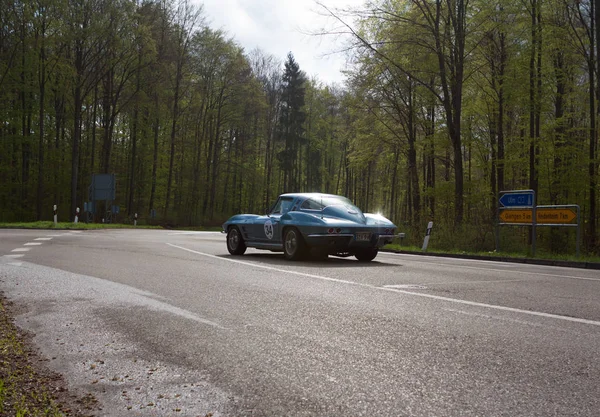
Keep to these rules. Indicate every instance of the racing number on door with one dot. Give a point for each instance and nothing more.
(269, 229)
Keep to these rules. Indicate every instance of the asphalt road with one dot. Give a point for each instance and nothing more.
(168, 323)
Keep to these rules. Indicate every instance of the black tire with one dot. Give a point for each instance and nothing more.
(366, 255)
(235, 241)
(294, 247)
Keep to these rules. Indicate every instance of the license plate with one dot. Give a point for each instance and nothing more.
(363, 236)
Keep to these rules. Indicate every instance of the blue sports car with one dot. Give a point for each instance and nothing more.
(298, 222)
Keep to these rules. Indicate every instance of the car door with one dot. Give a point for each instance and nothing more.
(267, 228)
(262, 229)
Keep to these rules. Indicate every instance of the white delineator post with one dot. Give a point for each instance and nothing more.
(426, 241)
(55, 216)
(77, 215)
(135, 219)
(401, 236)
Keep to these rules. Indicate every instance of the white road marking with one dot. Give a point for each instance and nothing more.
(445, 258)
(488, 316)
(21, 250)
(33, 244)
(475, 282)
(342, 281)
(43, 238)
(54, 235)
(497, 307)
(188, 315)
(199, 232)
(15, 263)
(407, 286)
(14, 256)
(415, 294)
(500, 270)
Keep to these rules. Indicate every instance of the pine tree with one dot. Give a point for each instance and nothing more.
(291, 121)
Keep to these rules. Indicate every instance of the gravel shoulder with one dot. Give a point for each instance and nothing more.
(27, 386)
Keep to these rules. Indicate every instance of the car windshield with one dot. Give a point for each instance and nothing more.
(319, 203)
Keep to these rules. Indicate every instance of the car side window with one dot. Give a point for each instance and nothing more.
(286, 205)
(311, 205)
(276, 208)
(282, 206)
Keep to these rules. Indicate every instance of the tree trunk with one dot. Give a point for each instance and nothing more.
(173, 132)
(155, 129)
(75, 148)
(500, 127)
(592, 168)
(452, 85)
(42, 102)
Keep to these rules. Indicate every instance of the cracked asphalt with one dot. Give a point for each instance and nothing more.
(167, 323)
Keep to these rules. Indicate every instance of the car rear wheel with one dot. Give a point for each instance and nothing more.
(366, 255)
(294, 247)
(235, 241)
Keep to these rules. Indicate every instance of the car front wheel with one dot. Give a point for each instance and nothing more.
(293, 244)
(235, 242)
(366, 255)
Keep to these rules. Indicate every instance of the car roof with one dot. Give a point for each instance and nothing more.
(309, 195)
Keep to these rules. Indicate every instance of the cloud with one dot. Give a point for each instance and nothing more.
(282, 26)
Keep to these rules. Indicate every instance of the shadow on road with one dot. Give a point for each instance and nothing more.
(277, 259)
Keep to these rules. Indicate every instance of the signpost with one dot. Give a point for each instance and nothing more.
(102, 189)
(516, 199)
(517, 208)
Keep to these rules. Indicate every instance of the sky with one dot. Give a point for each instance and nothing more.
(281, 26)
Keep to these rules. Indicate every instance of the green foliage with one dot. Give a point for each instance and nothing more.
(198, 129)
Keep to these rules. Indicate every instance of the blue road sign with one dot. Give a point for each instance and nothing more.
(522, 199)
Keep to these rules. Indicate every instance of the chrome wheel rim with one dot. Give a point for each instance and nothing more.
(234, 239)
(291, 242)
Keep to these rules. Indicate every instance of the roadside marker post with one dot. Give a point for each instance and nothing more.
(427, 234)
(135, 219)
(55, 216)
(76, 215)
(401, 236)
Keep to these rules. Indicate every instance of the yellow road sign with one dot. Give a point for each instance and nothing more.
(543, 216)
(555, 216)
(515, 216)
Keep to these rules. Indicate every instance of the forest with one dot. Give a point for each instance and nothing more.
(444, 104)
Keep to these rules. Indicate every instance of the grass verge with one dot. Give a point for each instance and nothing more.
(94, 226)
(500, 255)
(71, 225)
